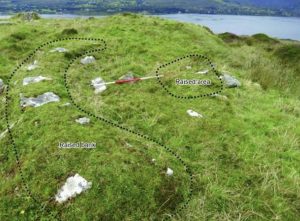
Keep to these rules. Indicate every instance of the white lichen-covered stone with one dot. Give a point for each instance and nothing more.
(99, 85)
(194, 114)
(1, 86)
(203, 72)
(88, 60)
(169, 172)
(83, 120)
(220, 97)
(60, 50)
(73, 186)
(66, 104)
(29, 80)
(40, 100)
(32, 66)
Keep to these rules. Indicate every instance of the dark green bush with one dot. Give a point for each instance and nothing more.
(70, 31)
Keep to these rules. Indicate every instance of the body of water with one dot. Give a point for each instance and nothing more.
(278, 27)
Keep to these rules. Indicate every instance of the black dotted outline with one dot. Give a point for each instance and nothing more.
(189, 97)
(27, 189)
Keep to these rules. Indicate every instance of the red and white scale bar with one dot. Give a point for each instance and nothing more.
(133, 80)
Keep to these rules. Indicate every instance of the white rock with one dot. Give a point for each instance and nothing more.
(169, 172)
(83, 120)
(220, 97)
(32, 66)
(203, 72)
(1, 86)
(194, 114)
(88, 60)
(37, 79)
(153, 160)
(188, 67)
(66, 105)
(73, 186)
(60, 50)
(39, 100)
(99, 85)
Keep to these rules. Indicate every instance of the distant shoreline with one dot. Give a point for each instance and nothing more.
(242, 25)
(79, 15)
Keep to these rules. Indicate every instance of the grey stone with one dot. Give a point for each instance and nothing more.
(194, 114)
(88, 60)
(66, 105)
(99, 85)
(230, 81)
(220, 97)
(203, 72)
(60, 50)
(83, 120)
(40, 100)
(32, 66)
(36, 79)
(1, 86)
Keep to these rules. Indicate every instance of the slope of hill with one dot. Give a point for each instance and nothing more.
(269, 7)
(240, 161)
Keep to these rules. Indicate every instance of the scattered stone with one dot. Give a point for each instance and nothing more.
(153, 160)
(33, 66)
(203, 72)
(220, 97)
(188, 67)
(230, 81)
(83, 120)
(169, 172)
(39, 100)
(66, 105)
(194, 114)
(73, 186)
(60, 50)
(37, 79)
(88, 60)
(1, 86)
(99, 85)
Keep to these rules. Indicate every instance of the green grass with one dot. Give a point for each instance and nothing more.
(244, 153)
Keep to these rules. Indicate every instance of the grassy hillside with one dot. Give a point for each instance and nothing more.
(242, 157)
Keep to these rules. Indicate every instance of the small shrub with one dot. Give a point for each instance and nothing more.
(264, 38)
(19, 36)
(70, 31)
(27, 16)
(229, 37)
(289, 53)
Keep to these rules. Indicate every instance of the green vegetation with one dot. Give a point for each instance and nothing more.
(244, 154)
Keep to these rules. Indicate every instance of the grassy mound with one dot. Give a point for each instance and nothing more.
(243, 154)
